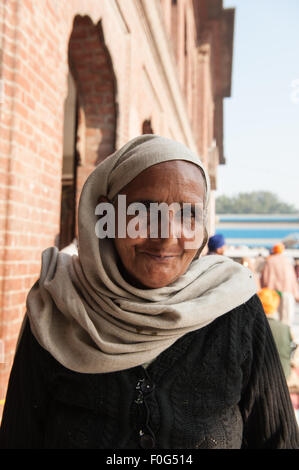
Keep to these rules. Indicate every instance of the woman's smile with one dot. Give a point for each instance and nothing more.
(159, 258)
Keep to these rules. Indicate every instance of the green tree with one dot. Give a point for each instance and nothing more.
(256, 202)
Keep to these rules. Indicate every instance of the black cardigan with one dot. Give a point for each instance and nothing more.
(219, 387)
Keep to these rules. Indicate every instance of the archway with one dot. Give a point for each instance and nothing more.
(90, 116)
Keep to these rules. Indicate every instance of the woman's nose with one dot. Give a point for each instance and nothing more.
(168, 228)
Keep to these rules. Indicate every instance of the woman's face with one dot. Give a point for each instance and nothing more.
(157, 262)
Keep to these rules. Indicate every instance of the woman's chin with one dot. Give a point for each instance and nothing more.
(157, 281)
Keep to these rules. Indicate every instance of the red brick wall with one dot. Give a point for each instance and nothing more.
(31, 136)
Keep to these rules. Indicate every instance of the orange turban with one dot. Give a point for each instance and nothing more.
(279, 248)
(270, 300)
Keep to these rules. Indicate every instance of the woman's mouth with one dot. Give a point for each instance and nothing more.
(159, 257)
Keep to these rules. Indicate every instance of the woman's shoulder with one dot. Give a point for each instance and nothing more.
(240, 328)
(232, 333)
(244, 315)
(252, 306)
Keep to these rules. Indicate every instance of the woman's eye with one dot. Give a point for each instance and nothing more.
(187, 214)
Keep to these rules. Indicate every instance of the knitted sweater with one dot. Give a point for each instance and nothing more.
(218, 387)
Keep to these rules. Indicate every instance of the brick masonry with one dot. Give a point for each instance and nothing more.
(137, 65)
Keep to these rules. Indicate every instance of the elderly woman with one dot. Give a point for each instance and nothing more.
(138, 342)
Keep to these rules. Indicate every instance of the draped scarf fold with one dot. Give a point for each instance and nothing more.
(89, 317)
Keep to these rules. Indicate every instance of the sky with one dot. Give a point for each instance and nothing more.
(261, 118)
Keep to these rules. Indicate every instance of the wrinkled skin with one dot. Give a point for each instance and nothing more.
(157, 262)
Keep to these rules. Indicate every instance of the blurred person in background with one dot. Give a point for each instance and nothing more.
(281, 333)
(216, 245)
(278, 274)
(259, 264)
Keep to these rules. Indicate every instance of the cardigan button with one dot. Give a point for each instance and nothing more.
(147, 441)
(146, 387)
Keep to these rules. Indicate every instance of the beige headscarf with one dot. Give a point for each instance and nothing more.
(90, 318)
